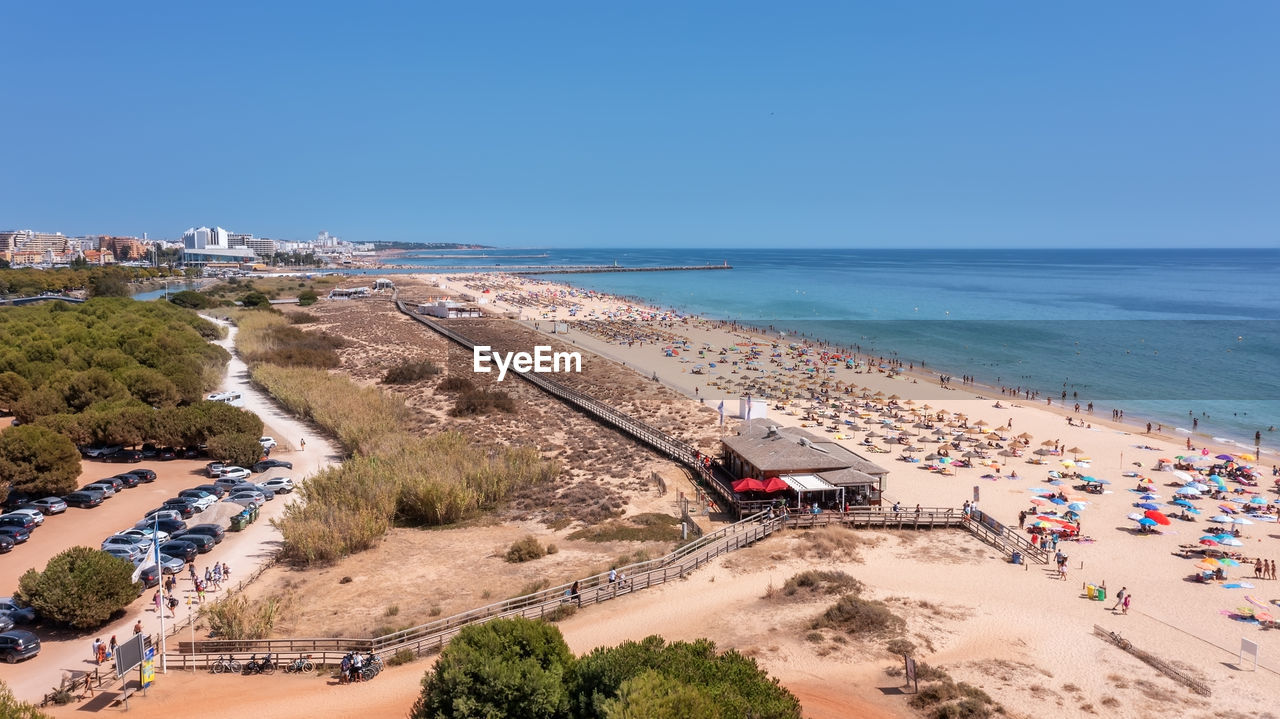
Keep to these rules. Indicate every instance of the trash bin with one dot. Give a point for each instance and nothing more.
(1102, 594)
(239, 521)
(1017, 558)
(253, 513)
(1091, 590)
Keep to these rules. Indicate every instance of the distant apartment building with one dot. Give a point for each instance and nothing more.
(31, 247)
(124, 249)
(199, 238)
(261, 246)
(324, 239)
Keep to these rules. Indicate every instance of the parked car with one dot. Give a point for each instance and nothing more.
(144, 474)
(17, 534)
(171, 565)
(182, 506)
(6, 622)
(213, 530)
(191, 453)
(32, 512)
(124, 455)
(160, 513)
(203, 542)
(141, 543)
(267, 494)
(172, 525)
(17, 520)
(97, 452)
(50, 505)
(149, 576)
(167, 453)
(20, 613)
(283, 485)
(267, 442)
(147, 533)
(18, 644)
(129, 481)
(130, 553)
(84, 499)
(186, 551)
(217, 490)
(116, 483)
(234, 473)
(200, 499)
(247, 498)
(150, 451)
(264, 465)
(6, 545)
(214, 469)
(108, 489)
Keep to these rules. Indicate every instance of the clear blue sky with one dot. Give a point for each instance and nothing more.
(921, 124)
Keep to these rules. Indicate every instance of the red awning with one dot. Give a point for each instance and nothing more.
(774, 484)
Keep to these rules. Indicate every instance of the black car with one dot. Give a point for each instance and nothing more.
(217, 490)
(6, 545)
(149, 576)
(143, 474)
(181, 506)
(84, 499)
(6, 622)
(124, 455)
(169, 526)
(19, 613)
(17, 520)
(266, 464)
(150, 451)
(166, 454)
(18, 644)
(128, 480)
(186, 551)
(190, 453)
(17, 534)
(212, 530)
(203, 542)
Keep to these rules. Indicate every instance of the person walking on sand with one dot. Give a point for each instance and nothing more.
(1125, 606)
(137, 628)
(1120, 597)
(1272, 565)
(95, 650)
(574, 595)
(112, 646)
(302, 443)
(1259, 568)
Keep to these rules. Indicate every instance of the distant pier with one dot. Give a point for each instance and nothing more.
(556, 269)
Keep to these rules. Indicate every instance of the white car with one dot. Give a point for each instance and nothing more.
(233, 473)
(199, 499)
(280, 485)
(267, 442)
(246, 498)
(146, 533)
(127, 541)
(33, 513)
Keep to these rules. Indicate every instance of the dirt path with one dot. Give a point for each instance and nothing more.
(244, 551)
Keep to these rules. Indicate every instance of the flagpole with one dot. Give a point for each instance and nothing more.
(155, 546)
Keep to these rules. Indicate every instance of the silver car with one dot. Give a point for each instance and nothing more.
(278, 484)
(132, 555)
(123, 541)
(146, 533)
(247, 498)
(168, 565)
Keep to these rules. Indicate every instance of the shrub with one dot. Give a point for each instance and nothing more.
(821, 581)
(410, 372)
(255, 300)
(525, 550)
(561, 612)
(81, 588)
(903, 647)
(648, 527)
(456, 383)
(300, 318)
(482, 401)
(860, 617)
(236, 617)
(236, 448)
(192, 300)
(37, 460)
(504, 668)
(653, 695)
(404, 656)
(306, 298)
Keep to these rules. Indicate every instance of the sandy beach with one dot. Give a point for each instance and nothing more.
(1020, 632)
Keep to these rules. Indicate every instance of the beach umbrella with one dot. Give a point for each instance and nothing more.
(1157, 517)
(774, 484)
(1146, 505)
(1240, 520)
(1224, 457)
(1150, 496)
(1048, 443)
(1182, 503)
(1188, 491)
(1221, 518)
(1075, 450)
(748, 484)
(1147, 522)
(1232, 542)
(1076, 506)
(1043, 452)
(1228, 562)
(1057, 500)
(1182, 475)
(1257, 500)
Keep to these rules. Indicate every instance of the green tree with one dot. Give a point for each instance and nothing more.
(37, 403)
(111, 282)
(37, 460)
(90, 387)
(234, 448)
(12, 387)
(12, 708)
(738, 684)
(306, 298)
(191, 300)
(81, 588)
(504, 668)
(651, 695)
(255, 299)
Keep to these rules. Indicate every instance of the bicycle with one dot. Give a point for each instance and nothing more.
(266, 666)
(372, 667)
(224, 664)
(301, 665)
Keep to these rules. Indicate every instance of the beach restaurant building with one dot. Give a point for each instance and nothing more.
(815, 469)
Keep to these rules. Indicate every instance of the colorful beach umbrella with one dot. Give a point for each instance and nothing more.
(1157, 517)
(1146, 505)
(1147, 522)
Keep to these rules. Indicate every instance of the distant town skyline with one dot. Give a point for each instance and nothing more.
(983, 124)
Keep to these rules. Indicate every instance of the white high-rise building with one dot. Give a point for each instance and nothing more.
(200, 238)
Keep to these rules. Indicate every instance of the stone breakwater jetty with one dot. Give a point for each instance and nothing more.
(555, 269)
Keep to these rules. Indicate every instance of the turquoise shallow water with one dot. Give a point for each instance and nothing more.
(1158, 333)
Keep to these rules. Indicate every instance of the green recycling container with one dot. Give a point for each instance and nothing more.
(1102, 594)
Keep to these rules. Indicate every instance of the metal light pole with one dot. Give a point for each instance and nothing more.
(192, 621)
(155, 547)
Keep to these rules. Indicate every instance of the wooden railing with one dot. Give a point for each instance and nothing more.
(1007, 540)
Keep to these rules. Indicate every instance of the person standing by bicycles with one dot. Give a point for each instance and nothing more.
(357, 665)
